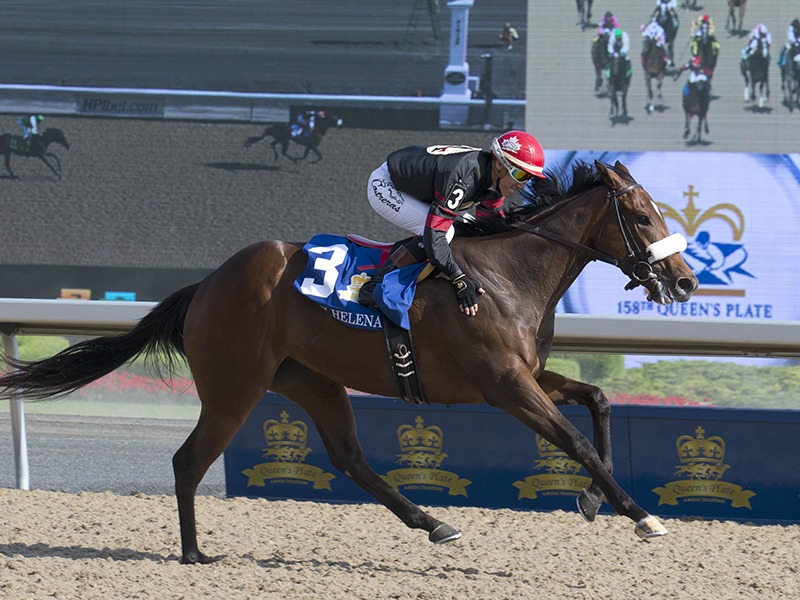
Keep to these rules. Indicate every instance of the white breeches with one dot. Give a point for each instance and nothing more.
(396, 207)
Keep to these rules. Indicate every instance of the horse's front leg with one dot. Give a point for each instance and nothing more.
(55, 158)
(315, 151)
(562, 390)
(518, 393)
(51, 167)
(328, 405)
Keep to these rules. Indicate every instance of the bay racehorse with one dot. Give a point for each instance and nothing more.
(730, 22)
(755, 70)
(655, 66)
(619, 78)
(584, 13)
(245, 329)
(600, 57)
(696, 99)
(35, 146)
(281, 134)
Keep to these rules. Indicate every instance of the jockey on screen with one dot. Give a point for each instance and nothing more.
(655, 32)
(759, 33)
(424, 190)
(619, 43)
(697, 73)
(792, 38)
(306, 121)
(668, 8)
(609, 24)
(29, 125)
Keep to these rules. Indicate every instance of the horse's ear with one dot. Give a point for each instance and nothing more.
(620, 168)
(603, 171)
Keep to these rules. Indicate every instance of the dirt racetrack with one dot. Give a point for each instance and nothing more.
(93, 546)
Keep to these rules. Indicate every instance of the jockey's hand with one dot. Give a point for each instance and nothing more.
(467, 293)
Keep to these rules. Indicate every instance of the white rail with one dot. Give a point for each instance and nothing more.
(573, 333)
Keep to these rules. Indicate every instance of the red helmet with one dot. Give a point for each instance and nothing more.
(521, 150)
(697, 61)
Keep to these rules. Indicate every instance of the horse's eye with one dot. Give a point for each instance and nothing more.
(643, 220)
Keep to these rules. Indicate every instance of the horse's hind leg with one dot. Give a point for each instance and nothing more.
(7, 159)
(328, 405)
(224, 411)
(562, 390)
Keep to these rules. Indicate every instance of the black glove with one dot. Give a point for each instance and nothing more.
(466, 291)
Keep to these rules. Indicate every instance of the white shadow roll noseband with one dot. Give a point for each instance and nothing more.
(672, 244)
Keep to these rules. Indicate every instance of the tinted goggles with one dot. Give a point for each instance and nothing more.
(520, 175)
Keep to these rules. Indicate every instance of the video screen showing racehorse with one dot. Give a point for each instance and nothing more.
(623, 78)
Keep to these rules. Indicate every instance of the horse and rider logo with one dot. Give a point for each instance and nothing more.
(702, 464)
(557, 474)
(286, 453)
(714, 261)
(421, 451)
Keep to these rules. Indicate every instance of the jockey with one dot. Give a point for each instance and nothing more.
(655, 32)
(619, 43)
(29, 125)
(792, 38)
(306, 122)
(424, 190)
(609, 24)
(759, 33)
(701, 23)
(698, 71)
(667, 7)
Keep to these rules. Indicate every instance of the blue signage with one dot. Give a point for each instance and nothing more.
(674, 461)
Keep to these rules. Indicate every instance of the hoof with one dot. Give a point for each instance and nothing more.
(650, 527)
(443, 534)
(588, 505)
(200, 559)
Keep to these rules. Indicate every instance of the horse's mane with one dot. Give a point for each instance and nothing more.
(538, 195)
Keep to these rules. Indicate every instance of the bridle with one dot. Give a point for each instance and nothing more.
(639, 264)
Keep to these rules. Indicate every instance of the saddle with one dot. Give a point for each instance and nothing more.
(18, 143)
(399, 344)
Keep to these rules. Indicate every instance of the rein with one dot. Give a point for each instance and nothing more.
(639, 270)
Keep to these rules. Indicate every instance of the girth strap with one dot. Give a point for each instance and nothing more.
(403, 362)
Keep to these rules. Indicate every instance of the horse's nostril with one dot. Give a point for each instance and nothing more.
(686, 284)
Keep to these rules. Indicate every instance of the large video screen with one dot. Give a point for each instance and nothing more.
(567, 110)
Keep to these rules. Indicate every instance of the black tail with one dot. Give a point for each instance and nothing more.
(159, 335)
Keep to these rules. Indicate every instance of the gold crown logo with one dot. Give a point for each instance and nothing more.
(286, 442)
(701, 457)
(693, 217)
(422, 447)
(350, 294)
(554, 459)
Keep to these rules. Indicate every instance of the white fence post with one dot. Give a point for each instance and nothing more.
(18, 422)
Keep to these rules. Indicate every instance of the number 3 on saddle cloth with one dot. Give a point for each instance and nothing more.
(337, 268)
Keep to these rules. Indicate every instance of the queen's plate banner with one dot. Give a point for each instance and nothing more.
(740, 214)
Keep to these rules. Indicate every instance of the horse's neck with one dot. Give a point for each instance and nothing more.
(544, 269)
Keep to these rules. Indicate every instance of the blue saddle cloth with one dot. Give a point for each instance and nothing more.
(335, 272)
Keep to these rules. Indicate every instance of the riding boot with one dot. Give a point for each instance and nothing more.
(411, 252)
